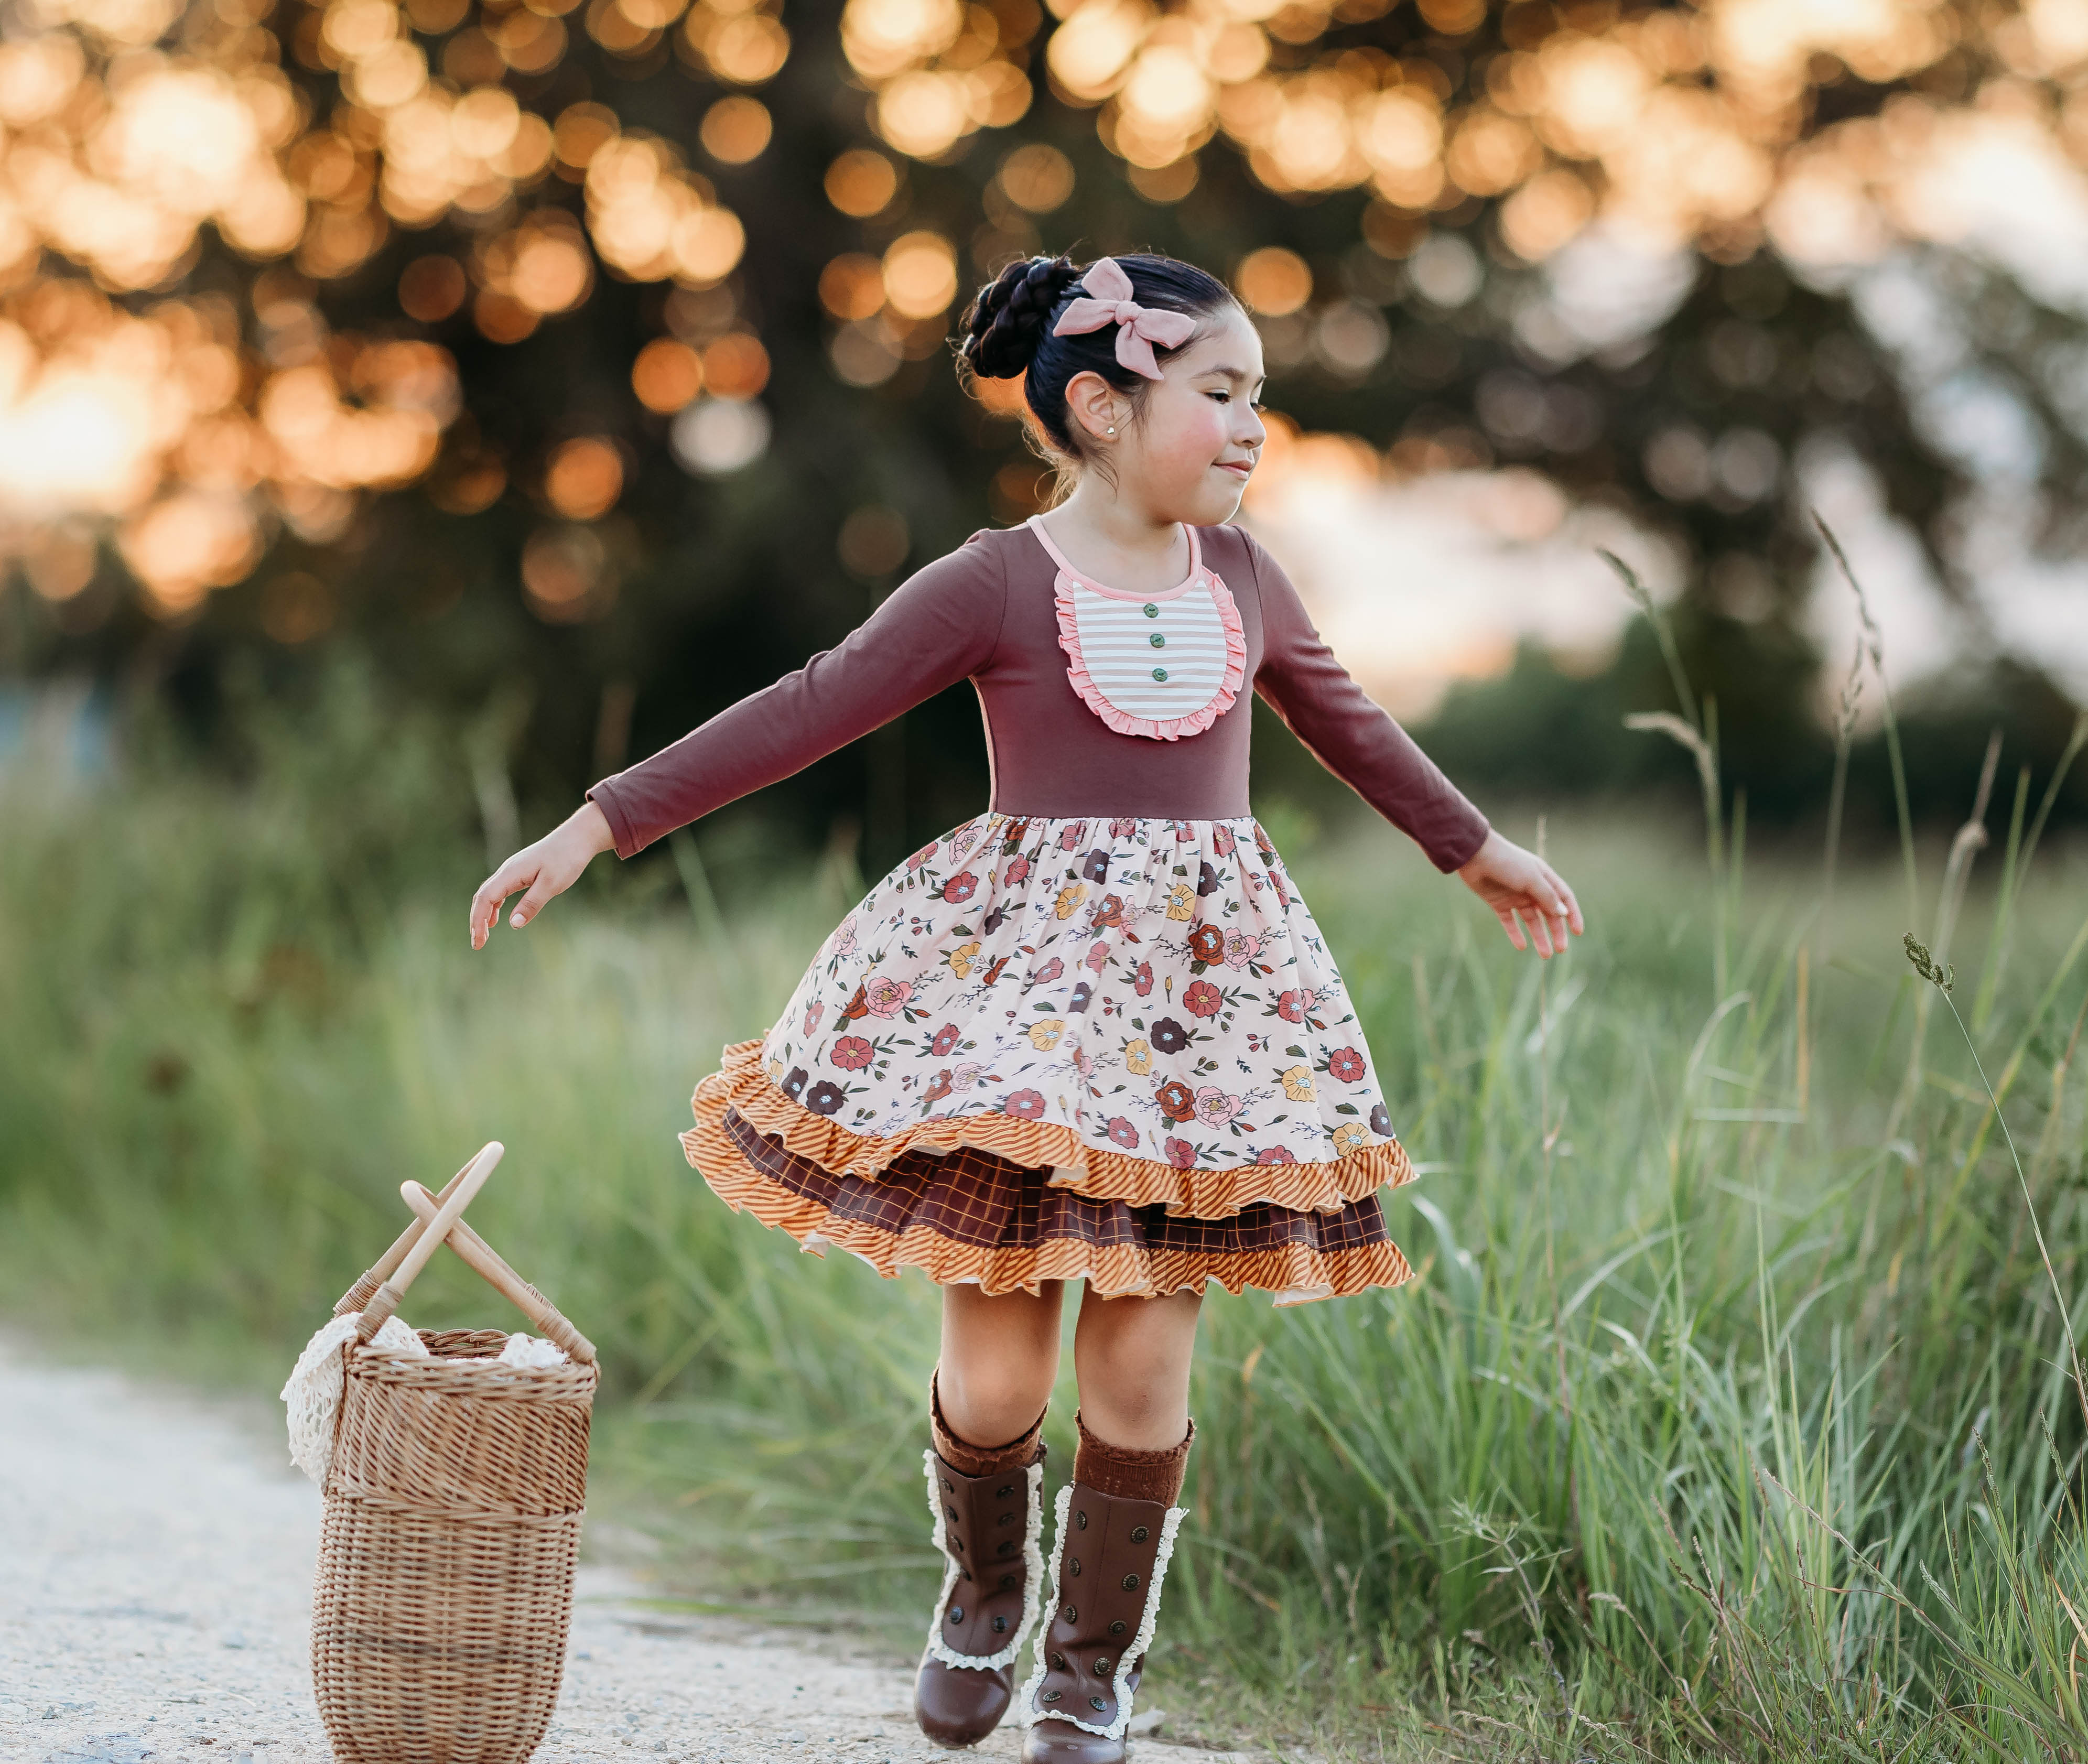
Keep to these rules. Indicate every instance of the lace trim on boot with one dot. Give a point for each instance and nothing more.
(1032, 1575)
(1134, 1651)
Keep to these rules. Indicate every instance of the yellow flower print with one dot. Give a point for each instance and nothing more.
(960, 959)
(1349, 1136)
(1044, 1036)
(1138, 1057)
(1182, 902)
(1070, 898)
(1298, 1084)
(774, 1069)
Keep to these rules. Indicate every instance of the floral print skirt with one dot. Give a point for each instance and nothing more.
(1115, 1050)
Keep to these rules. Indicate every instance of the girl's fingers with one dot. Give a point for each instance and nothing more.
(495, 889)
(485, 908)
(541, 890)
(1570, 906)
(1508, 924)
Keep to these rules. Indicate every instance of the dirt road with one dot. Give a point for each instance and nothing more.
(155, 1558)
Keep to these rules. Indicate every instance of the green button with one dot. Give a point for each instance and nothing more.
(1159, 642)
(1160, 674)
(1152, 612)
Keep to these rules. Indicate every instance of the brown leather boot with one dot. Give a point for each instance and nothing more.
(988, 1528)
(1111, 1556)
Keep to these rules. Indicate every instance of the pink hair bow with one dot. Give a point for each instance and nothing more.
(1139, 328)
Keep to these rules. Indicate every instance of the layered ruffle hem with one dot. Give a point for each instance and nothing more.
(1042, 1048)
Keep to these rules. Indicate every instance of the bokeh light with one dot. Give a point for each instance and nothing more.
(1273, 281)
(584, 477)
(862, 182)
(920, 275)
(667, 375)
(736, 129)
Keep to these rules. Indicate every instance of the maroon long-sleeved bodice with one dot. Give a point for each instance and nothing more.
(988, 612)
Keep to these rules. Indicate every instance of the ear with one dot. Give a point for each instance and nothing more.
(1095, 406)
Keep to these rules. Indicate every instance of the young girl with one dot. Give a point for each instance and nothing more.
(1094, 1033)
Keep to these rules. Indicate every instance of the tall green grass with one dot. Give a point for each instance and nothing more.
(1732, 1413)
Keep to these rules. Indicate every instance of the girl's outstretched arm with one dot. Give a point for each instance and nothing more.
(936, 628)
(1356, 740)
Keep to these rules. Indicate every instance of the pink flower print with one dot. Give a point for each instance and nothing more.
(946, 1038)
(1221, 840)
(965, 1076)
(1346, 1064)
(1049, 971)
(1183, 833)
(921, 856)
(813, 1013)
(1202, 999)
(1143, 984)
(1123, 1132)
(1214, 1108)
(1274, 1154)
(844, 943)
(1240, 948)
(1253, 881)
(962, 840)
(1070, 839)
(1084, 1062)
(1023, 1105)
(852, 1053)
(884, 996)
(1292, 1006)
(960, 888)
(1123, 826)
(938, 1086)
(1097, 957)
(1016, 870)
(1180, 1152)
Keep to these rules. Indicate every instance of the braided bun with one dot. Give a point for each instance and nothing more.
(1007, 321)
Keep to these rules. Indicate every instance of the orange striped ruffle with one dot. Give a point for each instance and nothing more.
(1087, 1170)
(1293, 1272)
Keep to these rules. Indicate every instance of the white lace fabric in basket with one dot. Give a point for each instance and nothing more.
(311, 1398)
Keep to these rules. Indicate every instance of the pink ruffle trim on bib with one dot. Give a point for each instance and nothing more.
(1070, 581)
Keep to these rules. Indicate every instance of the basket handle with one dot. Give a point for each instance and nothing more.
(385, 1300)
(480, 1256)
(358, 1295)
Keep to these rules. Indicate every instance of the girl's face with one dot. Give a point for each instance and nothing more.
(1188, 453)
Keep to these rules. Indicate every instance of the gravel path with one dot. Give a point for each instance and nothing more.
(155, 1558)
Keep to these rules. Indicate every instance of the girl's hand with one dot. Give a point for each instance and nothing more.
(1523, 889)
(550, 867)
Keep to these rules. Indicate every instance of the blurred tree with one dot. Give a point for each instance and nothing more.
(599, 345)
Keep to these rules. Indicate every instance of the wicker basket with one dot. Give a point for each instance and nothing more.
(453, 1508)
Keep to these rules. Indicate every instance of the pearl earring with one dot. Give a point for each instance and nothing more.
(1112, 428)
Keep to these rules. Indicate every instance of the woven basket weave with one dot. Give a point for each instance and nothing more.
(444, 1588)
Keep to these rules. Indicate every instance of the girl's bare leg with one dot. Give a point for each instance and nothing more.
(1132, 1356)
(999, 1358)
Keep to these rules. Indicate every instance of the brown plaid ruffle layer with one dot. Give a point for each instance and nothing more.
(973, 1215)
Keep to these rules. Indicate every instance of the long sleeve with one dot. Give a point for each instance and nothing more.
(1348, 733)
(935, 628)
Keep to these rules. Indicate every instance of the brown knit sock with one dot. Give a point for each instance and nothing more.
(1130, 1475)
(970, 1460)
